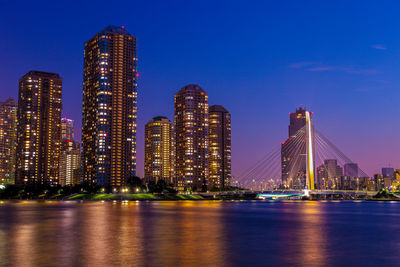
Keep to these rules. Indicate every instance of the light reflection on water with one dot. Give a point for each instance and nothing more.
(311, 238)
(199, 233)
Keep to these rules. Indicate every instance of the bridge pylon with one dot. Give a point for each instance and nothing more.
(310, 171)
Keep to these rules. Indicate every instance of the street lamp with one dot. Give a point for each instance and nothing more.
(124, 190)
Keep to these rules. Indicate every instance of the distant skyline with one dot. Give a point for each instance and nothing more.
(261, 61)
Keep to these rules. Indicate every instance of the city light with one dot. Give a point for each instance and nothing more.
(207, 157)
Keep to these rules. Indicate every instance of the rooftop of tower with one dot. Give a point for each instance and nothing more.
(159, 118)
(9, 102)
(217, 108)
(42, 74)
(300, 109)
(162, 119)
(191, 87)
(117, 29)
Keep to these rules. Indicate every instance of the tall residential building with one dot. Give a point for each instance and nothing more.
(109, 107)
(351, 169)
(8, 116)
(219, 147)
(70, 161)
(159, 150)
(70, 156)
(293, 152)
(39, 128)
(191, 137)
(67, 129)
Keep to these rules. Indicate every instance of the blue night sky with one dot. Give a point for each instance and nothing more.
(259, 59)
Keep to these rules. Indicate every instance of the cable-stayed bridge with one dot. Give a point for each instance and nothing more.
(306, 160)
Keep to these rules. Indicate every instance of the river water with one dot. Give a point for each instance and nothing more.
(200, 233)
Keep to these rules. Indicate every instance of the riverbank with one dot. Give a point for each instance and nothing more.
(141, 197)
(149, 196)
(384, 199)
(198, 196)
(190, 198)
(144, 196)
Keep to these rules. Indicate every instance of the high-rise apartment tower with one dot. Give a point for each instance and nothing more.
(39, 128)
(219, 147)
(191, 131)
(8, 116)
(109, 107)
(70, 161)
(67, 129)
(159, 150)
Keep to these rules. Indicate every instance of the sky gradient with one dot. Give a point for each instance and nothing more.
(260, 61)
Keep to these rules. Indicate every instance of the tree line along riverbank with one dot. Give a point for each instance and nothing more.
(139, 192)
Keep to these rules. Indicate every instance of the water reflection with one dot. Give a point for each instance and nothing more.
(311, 236)
(192, 233)
(130, 234)
(65, 237)
(200, 235)
(97, 235)
(21, 239)
(301, 233)
(112, 234)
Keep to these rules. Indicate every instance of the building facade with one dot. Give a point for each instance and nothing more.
(67, 129)
(294, 151)
(396, 175)
(329, 174)
(191, 137)
(350, 169)
(219, 147)
(70, 162)
(396, 179)
(8, 116)
(388, 172)
(39, 128)
(109, 107)
(379, 182)
(333, 169)
(159, 150)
